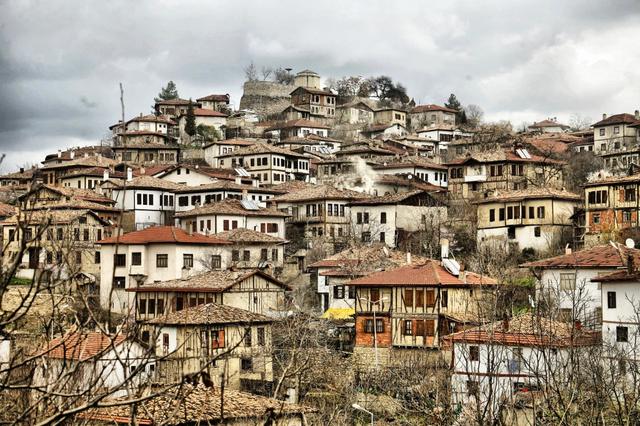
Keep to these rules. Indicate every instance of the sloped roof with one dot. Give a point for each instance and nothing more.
(149, 182)
(188, 404)
(410, 162)
(226, 185)
(602, 256)
(617, 119)
(392, 198)
(215, 98)
(81, 346)
(161, 235)
(201, 112)
(531, 193)
(177, 101)
(547, 123)
(243, 235)
(527, 330)
(6, 209)
(213, 281)
(313, 91)
(299, 123)
(230, 206)
(431, 107)
(94, 171)
(430, 272)
(261, 148)
(318, 192)
(91, 161)
(614, 180)
(506, 154)
(79, 194)
(52, 216)
(235, 142)
(210, 313)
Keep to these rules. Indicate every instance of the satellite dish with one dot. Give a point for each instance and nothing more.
(630, 243)
(451, 266)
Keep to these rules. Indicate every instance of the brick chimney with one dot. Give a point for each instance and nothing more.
(604, 116)
(637, 114)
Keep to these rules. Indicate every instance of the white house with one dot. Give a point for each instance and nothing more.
(229, 214)
(536, 218)
(391, 218)
(145, 200)
(154, 254)
(492, 364)
(549, 125)
(190, 197)
(213, 150)
(395, 129)
(430, 172)
(566, 281)
(299, 128)
(443, 134)
(95, 361)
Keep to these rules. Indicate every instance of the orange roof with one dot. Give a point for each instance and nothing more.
(201, 112)
(163, 234)
(429, 273)
(81, 346)
(604, 256)
(618, 119)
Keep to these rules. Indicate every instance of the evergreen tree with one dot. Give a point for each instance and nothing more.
(453, 103)
(168, 92)
(190, 123)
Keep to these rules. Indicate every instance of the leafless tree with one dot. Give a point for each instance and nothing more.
(251, 72)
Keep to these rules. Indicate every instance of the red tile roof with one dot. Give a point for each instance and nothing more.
(215, 98)
(617, 119)
(163, 234)
(201, 112)
(429, 273)
(604, 256)
(431, 107)
(81, 346)
(548, 123)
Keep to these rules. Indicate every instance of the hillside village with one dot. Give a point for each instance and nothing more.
(325, 252)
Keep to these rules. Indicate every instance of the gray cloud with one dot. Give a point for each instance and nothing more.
(61, 62)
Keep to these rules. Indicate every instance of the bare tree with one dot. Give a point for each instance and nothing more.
(251, 72)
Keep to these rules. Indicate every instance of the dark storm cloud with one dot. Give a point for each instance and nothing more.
(61, 62)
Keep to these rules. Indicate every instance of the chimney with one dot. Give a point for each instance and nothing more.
(142, 170)
(21, 169)
(604, 116)
(105, 175)
(408, 258)
(567, 249)
(630, 266)
(59, 153)
(238, 180)
(637, 114)
(72, 154)
(255, 183)
(444, 248)
(129, 173)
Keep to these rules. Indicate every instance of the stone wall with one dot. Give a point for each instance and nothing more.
(265, 97)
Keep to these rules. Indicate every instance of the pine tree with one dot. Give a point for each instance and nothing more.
(168, 92)
(453, 103)
(190, 123)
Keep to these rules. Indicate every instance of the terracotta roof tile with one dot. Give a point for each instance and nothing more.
(310, 192)
(213, 281)
(80, 346)
(201, 112)
(163, 234)
(243, 235)
(210, 313)
(547, 123)
(230, 206)
(603, 256)
(261, 148)
(214, 98)
(410, 162)
(149, 182)
(6, 210)
(618, 119)
(431, 107)
(530, 193)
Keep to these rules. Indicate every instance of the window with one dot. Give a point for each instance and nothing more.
(261, 336)
(596, 218)
(165, 343)
(407, 328)
(246, 255)
(509, 213)
(629, 194)
(216, 261)
(611, 299)
(351, 292)
(511, 232)
(119, 282)
(622, 334)
(246, 364)
(374, 295)
(264, 254)
(501, 214)
(187, 260)
(368, 326)
(597, 197)
(136, 258)
(85, 235)
(473, 388)
(431, 298)
(78, 257)
(567, 281)
(379, 326)
(274, 254)
(366, 237)
(183, 201)
(536, 231)
(382, 237)
(247, 337)
(601, 132)
(626, 216)
(338, 292)
(96, 258)
(142, 306)
(616, 130)
(408, 298)
(383, 217)
(474, 353)
(492, 215)
(120, 259)
(541, 212)
(235, 255)
(444, 298)
(225, 224)
(162, 260)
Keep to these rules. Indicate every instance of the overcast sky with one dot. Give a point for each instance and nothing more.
(61, 62)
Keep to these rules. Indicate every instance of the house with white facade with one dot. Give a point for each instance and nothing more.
(493, 364)
(155, 254)
(430, 172)
(536, 218)
(422, 116)
(388, 129)
(231, 213)
(190, 197)
(550, 125)
(566, 282)
(213, 150)
(215, 102)
(392, 218)
(615, 137)
(268, 164)
(299, 128)
(253, 249)
(145, 200)
(356, 112)
(96, 361)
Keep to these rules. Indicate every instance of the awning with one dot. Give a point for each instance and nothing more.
(339, 313)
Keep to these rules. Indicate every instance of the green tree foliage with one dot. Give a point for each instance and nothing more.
(208, 133)
(453, 103)
(170, 91)
(190, 124)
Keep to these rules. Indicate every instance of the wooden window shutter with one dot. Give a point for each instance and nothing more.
(419, 298)
(408, 297)
(430, 328)
(220, 342)
(431, 298)
(419, 326)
